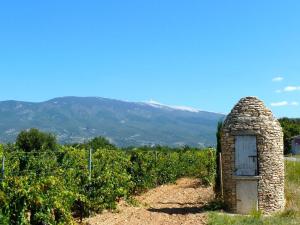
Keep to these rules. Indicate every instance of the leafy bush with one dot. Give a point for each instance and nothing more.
(110, 180)
(54, 186)
(36, 200)
(143, 170)
(151, 167)
(35, 140)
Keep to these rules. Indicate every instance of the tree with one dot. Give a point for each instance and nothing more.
(100, 142)
(291, 128)
(96, 143)
(219, 150)
(35, 140)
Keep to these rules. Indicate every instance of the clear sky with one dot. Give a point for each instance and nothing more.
(203, 54)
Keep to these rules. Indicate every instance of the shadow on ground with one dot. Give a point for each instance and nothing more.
(211, 206)
(179, 211)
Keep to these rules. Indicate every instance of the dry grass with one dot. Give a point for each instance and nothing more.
(293, 186)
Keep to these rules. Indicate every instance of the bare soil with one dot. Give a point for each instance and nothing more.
(181, 203)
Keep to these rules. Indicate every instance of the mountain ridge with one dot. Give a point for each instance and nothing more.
(77, 119)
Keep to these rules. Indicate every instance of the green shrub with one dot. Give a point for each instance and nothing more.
(36, 200)
(110, 180)
(53, 186)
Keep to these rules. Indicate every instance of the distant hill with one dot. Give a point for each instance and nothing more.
(76, 119)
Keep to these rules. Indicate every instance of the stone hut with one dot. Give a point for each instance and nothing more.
(252, 159)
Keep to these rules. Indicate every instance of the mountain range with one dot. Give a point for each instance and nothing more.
(77, 119)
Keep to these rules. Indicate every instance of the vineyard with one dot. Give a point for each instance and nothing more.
(67, 184)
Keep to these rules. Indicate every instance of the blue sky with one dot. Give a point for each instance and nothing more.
(203, 54)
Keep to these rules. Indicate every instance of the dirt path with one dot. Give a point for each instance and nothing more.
(181, 203)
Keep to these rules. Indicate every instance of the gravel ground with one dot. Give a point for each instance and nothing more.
(181, 203)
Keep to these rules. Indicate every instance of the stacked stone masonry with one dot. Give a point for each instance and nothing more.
(251, 117)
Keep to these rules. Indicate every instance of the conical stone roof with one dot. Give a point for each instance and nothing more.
(251, 113)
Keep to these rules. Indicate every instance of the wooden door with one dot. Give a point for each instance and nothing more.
(245, 156)
(247, 196)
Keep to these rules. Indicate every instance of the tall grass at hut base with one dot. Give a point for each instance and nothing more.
(291, 214)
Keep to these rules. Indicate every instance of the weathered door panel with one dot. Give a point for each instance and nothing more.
(245, 156)
(247, 196)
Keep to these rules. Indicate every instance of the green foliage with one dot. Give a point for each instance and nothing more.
(96, 143)
(217, 187)
(53, 186)
(110, 180)
(36, 200)
(35, 140)
(292, 187)
(143, 169)
(291, 128)
(158, 166)
(222, 219)
(37, 194)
